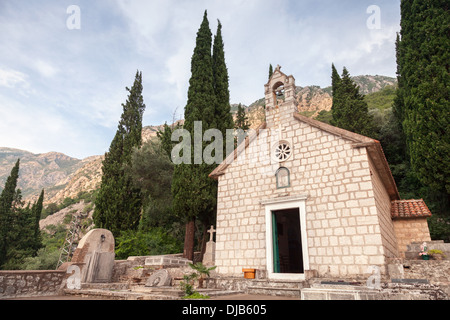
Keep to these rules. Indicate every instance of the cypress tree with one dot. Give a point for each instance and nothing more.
(165, 137)
(118, 204)
(422, 103)
(241, 119)
(7, 198)
(19, 226)
(349, 110)
(36, 213)
(194, 193)
(270, 71)
(224, 119)
(201, 103)
(22, 233)
(335, 80)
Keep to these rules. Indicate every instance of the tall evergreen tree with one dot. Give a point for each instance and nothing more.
(194, 193)
(19, 225)
(6, 215)
(118, 204)
(349, 110)
(224, 119)
(422, 104)
(36, 213)
(335, 79)
(270, 71)
(165, 137)
(241, 119)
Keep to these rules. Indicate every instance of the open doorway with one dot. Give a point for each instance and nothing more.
(287, 243)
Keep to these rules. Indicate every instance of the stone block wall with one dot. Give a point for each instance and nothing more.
(410, 230)
(343, 211)
(24, 283)
(383, 205)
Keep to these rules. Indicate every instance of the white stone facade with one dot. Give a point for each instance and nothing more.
(346, 203)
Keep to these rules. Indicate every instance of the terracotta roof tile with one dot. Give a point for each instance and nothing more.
(401, 209)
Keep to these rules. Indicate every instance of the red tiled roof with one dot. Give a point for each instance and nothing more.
(409, 209)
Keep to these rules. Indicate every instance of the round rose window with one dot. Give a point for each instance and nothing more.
(283, 151)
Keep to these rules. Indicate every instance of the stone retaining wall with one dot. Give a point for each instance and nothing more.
(435, 271)
(23, 283)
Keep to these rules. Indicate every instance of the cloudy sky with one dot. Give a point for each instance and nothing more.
(63, 72)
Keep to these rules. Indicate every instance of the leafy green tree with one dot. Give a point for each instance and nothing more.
(151, 242)
(118, 203)
(51, 209)
(151, 171)
(324, 116)
(349, 109)
(422, 103)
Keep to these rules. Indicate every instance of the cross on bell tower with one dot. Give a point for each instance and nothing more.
(280, 98)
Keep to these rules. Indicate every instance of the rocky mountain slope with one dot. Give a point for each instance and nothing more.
(87, 178)
(50, 171)
(62, 176)
(313, 99)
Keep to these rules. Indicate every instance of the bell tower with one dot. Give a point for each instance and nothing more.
(280, 98)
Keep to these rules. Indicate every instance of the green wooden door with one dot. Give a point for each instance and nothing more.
(276, 255)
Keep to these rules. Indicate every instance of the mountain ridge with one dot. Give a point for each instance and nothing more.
(63, 176)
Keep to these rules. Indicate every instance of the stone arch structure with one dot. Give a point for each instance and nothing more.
(95, 254)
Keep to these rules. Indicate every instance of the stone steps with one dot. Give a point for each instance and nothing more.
(124, 291)
(167, 291)
(276, 288)
(118, 295)
(128, 294)
(344, 293)
(396, 289)
(332, 289)
(106, 286)
(273, 291)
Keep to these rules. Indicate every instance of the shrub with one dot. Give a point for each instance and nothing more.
(143, 243)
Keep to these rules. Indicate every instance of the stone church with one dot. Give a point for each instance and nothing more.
(301, 198)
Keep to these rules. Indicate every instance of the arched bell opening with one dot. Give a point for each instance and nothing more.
(278, 92)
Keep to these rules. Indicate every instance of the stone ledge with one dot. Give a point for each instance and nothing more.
(6, 272)
(166, 261)
(26, 283)
(339, 294)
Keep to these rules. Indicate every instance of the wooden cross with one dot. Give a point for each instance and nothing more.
(211, 233)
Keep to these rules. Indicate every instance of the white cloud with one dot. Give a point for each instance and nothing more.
(75, 79)
(45, 69)
(12, 78)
